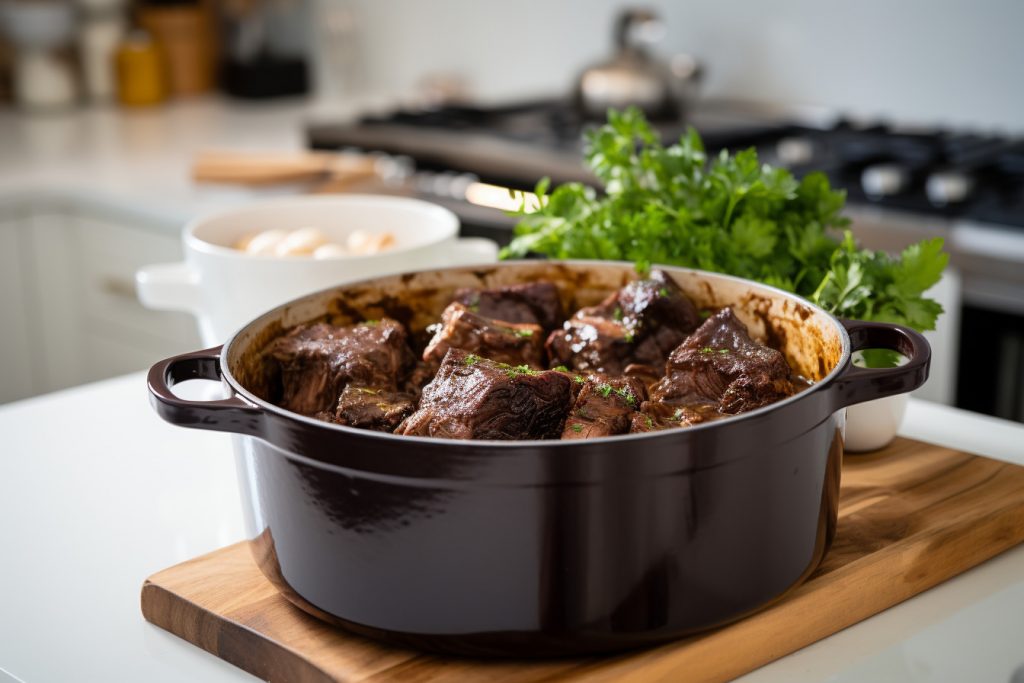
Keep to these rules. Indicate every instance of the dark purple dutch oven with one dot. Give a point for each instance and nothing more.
(539, 548)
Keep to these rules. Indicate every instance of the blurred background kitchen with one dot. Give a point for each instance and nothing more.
(120, 121)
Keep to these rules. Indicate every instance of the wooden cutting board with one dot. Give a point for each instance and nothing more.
(910, 517)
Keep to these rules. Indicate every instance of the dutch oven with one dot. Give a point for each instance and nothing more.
(540, 548)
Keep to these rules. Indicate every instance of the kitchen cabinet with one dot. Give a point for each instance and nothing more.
(15, 341)
(68, 298)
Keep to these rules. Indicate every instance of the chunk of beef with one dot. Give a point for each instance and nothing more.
(536, 303)
(654, 416)
(720, 364)
(604, 406)
(590, 343)
(640, 324)
(498, 340)
(658, 315)
(319, 360)
(475, 398)
(377, 409)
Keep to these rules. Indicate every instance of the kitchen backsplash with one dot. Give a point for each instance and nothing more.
(946, 61)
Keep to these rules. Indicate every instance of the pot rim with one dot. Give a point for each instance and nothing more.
(821, 385)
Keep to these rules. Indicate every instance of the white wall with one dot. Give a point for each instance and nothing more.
(937, 61)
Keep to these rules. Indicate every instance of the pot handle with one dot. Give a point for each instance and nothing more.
(169, 287)
(856, 384)
(233, 414)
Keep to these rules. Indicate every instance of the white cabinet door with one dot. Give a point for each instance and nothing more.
(16, 361)
(81, 293)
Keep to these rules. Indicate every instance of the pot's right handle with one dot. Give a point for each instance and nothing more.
(856, 384)
(233, 414)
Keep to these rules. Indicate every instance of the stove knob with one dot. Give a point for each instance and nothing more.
(884, 180)
(794, 151)
(948, 187)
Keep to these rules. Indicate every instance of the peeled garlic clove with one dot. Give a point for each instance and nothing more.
(361, 242)
(265, 243)
(358, 241)
(384, 241)
(329, 250)
(301, 242)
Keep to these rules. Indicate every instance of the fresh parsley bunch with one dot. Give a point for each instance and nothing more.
(734, 215)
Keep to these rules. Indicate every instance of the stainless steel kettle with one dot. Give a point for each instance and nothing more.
(633, 76)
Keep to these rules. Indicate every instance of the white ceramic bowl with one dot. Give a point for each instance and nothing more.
(873, 425)
(225, 288)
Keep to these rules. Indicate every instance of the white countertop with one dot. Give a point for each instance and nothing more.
(96, 493)
(138, 160)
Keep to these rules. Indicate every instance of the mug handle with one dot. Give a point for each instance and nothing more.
(169, 287)
(468, 251)
(233, 414)
(856, 384)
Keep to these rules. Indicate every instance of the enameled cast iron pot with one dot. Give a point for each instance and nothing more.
(536, 548)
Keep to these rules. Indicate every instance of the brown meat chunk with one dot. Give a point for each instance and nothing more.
(377, 409)
(720, 364)
(604, 406)
(317, 361)
(498, 340)
(640, 324)
(475, 398)
(590, 344)
(536, 303)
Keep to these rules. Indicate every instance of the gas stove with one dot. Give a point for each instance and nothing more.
(927, 172)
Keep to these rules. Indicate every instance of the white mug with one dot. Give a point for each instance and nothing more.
(226, 288)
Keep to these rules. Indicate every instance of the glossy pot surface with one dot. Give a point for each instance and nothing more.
(538, 548)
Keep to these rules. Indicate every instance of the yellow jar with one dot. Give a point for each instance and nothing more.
(141, 79)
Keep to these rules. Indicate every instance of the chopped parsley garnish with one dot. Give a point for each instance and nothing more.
(371, 323)
(650, 422)
(605, 390)
(705, 314)
(523, 333)
(663, 291)
(678, 415)
(471, 359)
(364, 390)
(577, 427)
(519, 370)
(707, 349)
(560, 368)
(617, 313)
(627, 396)
(628, 337)
(723, 351)
(579, 379)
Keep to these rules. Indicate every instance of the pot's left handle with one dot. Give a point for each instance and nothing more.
(233, 414)
(856, 384)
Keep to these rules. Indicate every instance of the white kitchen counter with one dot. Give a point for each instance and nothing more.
(138, 160)
(96, 493)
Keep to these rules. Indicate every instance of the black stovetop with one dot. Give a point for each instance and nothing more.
(933, 172)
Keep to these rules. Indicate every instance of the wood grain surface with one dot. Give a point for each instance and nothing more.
(910, 517)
